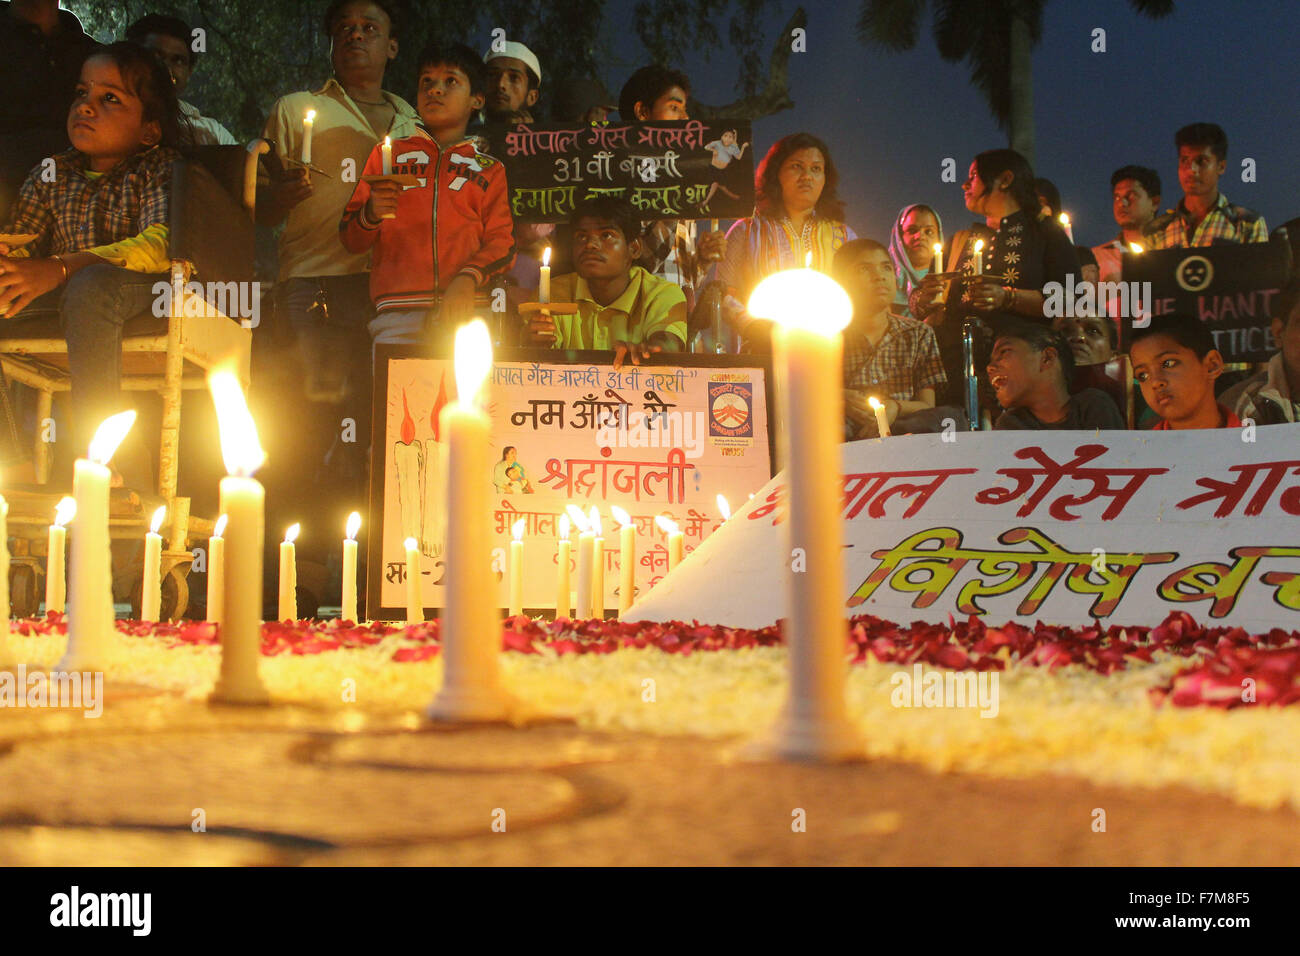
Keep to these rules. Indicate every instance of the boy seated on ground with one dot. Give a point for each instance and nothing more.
(621, 307)
(1029, 371)
(1176, 363)
(896, 360)
(1273, 396)
(435, 243)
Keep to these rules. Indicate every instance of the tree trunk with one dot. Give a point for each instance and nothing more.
(1022, 90)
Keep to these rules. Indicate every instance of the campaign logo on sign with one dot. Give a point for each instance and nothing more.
(731, 410)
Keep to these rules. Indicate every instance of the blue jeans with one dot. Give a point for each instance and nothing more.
(92, 306)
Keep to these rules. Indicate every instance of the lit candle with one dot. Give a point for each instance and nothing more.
(4, 575)
(217, 570)
(289, 574)
(91, 634)
(350, 568)
(1135, 247)
(676, 540)
(244, 500)
(811, 311)
(471, 625)
(517, 567)
(414, 595)
(882, 420)
(586, 541)
(562, 550)
(386, 151)
(1065, 224)
(308, 121)
(724, 508)
(544, 282)
(937, 267)
(151, 589)
(597, 566)
(626, 558)
(55, 577)
(979, 257)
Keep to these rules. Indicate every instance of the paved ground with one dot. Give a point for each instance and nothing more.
(291, 785)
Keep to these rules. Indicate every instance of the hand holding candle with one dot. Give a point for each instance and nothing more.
(289, 574)
(979, 257)
(387, 154)
(544, 280)
(882, 419)
(1065, 224)
(217, 570)
(308, 121)
(55, 577)
(151, 589)
(517, 567)
(626, 558)
(349, 610)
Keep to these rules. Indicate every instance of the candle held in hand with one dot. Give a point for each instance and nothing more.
(55, 576)
(882, 420)
(979, 257)
(308, 121)
(151, 589)
(544, 280)
(1065, 224)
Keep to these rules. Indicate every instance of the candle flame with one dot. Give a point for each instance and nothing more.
(579, 519)
(220, 527)
(979, 245)
(1135, 247)
(411, 544)
(473, 360)
(311, 116)
(594, 519)
(621, 516)
(564, 527)
(388, 142)
(666, 525)
(802, 299)
(724, 507)
(938, 249)
(874, 403)
(546, 256)
(807, 260)
(240, 448)
(158, 516)
(517, 529)
(109, 435)
(65, 511)
(291, 533)
(354, 525)
(1065, 220)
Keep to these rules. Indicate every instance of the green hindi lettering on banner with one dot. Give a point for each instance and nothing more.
(686, 169)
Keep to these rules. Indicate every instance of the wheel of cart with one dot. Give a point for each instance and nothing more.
(210, 240)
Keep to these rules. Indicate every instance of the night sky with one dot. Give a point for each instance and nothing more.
(890, 119)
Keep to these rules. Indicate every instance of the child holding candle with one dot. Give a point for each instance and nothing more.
(101, 227)
(621, 307)
(451, 233)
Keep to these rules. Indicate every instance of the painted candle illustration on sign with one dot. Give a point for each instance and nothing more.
(408, 460)
(434, 527)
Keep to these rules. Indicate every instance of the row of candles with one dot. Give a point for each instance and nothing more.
(978, 258)
(810, 310)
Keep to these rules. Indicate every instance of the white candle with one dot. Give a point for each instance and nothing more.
(414, 592)
(244, 500)
(386, 152)
(217, 570)
(676, 540)
(1065, 224)
(882, 420)
(471, 624)
(151, 588)
(289, 574)
(56, 580)
(562, 551)
(626, 558)
(979, 257)
(91, 634)
(597, 565)
(350, 568)
(586, 538)
(308, 121)
(544, 281)
(811, 312)
(517, 567)
(724, 508)
(4, 576)
(937, 267)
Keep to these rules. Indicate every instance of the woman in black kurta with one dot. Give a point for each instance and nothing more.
(1021, 254)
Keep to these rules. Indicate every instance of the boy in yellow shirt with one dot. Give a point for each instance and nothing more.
(621, 307)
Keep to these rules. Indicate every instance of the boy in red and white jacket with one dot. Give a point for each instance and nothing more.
(448, 235)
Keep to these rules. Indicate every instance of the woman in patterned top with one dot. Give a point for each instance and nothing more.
(797, 212)
(1022, 251)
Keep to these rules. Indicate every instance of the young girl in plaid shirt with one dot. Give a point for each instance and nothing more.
(99, 214)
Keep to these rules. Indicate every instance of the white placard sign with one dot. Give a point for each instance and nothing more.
(1062, 527)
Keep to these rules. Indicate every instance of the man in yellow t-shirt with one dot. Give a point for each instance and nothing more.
(621, 307)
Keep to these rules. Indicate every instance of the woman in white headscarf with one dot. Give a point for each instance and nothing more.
(917, 229)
